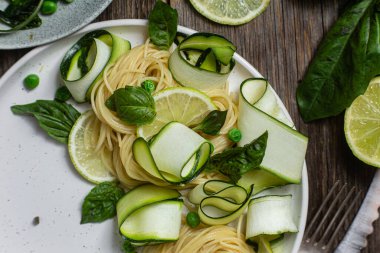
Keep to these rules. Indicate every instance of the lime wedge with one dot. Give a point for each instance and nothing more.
(82, 150)
(230, 12)
(184, 105)
(362, 125)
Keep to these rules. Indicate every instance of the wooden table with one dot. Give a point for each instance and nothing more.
(280, 44)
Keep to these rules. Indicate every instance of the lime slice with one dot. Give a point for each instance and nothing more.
(184, 105)
(82, 150)
(362, 125)
(230, 12)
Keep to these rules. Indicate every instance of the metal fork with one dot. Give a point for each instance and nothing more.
(324, 229)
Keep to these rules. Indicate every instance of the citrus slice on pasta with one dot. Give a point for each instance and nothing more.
(184, 105)
(81, 146)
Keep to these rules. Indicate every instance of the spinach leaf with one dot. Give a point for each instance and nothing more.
(163, 21)
(347, 59)
(22, 11)
(234, 162)
(128, 247)
(100, 203)
(134, 105)
(56, 118)
(212, 123)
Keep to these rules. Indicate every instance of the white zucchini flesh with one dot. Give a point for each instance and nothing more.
(142, 196)
(286, 148)
(160, 221)
(187, 75)
(79, 86)
(261, 179)
(270, 215)
(176, 155)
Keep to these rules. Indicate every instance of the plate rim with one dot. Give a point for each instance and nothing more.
(143, 22)
(59, 36)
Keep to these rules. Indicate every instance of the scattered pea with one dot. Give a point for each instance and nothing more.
(31, 81)
(48, 7)
(234, 135)
(192, 219)
(149, 85)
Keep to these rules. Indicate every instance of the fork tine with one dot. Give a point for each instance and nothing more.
(337, 213)
(327, 214)
(323, 205)
(341, 223)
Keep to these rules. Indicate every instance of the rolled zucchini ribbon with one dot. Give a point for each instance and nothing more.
(176, 154)
(84, 63)
(268, 218)
(150, 214)
(202, 61)
(220, 202)
(259, 111)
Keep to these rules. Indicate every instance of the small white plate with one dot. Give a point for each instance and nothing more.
(68, 19)
(37, 178)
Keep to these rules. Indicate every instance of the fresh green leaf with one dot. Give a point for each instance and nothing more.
(347, 59)
(22, 12)
(100, 203)
(134, 105)
(55, 118)
(212, 123)
(234, 162)
(128, 247)
(62, 94)
(163, 21)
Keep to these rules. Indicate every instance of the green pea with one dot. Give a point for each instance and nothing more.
(62, 94)
(48, 7)
(234, 135)
(149, 85)
(31, 81)
(192, 219)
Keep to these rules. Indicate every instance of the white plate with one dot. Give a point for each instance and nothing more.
(68, 19)
(37, 178)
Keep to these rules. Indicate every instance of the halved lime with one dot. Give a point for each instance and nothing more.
(362, 125)
(82, 150)
(230, 12)
(184, 105)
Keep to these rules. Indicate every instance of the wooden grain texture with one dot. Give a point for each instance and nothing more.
(280, 44)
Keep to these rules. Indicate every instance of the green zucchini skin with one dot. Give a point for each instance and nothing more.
(82, 49)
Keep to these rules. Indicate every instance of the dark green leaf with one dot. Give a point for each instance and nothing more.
(128, 247)
(62, 94)
(234, 162)
(100, 203)
(110, 103)
(212, 123)
(55, 118)
(134, 105)
(163, 21)
(346, 60)
(19, 11)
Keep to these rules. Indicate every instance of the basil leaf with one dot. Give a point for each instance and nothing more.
(234, 162)
(134, 105)
(19, 11)
(62, 94)
(55, 118)
(100, 203)
(212, 123)
(163, 21)
(346, 60)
